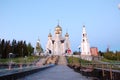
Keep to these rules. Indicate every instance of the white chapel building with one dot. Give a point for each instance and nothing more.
(58, 44)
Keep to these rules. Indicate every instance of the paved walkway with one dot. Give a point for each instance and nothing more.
(59, 72)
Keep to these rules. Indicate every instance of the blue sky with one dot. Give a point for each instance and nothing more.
(30, 19)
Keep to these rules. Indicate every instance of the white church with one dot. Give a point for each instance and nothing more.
(85, 46)
(58, 44)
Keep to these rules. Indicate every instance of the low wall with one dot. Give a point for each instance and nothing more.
(106, 74)
(97, 73)
(102, 75)
(16, 74)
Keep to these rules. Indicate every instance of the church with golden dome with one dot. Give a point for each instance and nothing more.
(57, 44)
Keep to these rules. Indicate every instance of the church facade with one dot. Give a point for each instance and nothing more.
(57, 44)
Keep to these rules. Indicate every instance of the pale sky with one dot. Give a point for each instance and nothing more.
(30, 19)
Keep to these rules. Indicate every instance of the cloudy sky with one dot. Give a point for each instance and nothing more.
(30, 19)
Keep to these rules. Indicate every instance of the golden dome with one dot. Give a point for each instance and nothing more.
(58, 28)
(66, 35)
(57, 32)
(50, 35)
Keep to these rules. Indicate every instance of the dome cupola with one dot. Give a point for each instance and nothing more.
(66, 35)
(58, 28)
(50, 35)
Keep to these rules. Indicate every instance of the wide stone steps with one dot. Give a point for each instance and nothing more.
(62, 60)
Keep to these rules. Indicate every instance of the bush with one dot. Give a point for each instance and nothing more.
(112, 56)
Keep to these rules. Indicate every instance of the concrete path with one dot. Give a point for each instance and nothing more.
(59, 72)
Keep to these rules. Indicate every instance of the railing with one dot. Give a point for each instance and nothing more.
(108, 71)
(102, 65)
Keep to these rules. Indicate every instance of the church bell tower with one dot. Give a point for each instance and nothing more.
(85, 46)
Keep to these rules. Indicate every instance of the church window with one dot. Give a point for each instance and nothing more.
(83, 35)
(53, 41)
(62, 41)
(83, 40)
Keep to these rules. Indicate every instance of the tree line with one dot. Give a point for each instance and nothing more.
(17, 48)
(112, 55)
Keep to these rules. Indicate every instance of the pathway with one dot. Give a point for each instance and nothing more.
(59, 72)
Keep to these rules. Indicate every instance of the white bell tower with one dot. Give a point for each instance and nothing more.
(85, 46)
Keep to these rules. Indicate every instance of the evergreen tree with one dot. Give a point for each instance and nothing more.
(30, 49)
(7, 49)
(25, 51)
(18, 48)
(0, 49)
(3, 48)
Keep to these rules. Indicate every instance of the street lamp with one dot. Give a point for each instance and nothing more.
(79, 51)
(79, 56)
(25, 59)
(10, 56)
(21, 59)
(10, 61)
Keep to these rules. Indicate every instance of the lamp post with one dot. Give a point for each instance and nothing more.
(21, 60)
(79, 52)
(10, 61)
(10, 56)
(25, 59)
(79, 56)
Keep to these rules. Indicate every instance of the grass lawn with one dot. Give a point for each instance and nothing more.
(28, 59)
(110, 61)
(76, 60)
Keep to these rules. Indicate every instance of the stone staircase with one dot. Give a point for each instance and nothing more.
(62, 60)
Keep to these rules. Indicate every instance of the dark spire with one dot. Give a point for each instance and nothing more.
(83, 25)
(58, 21)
